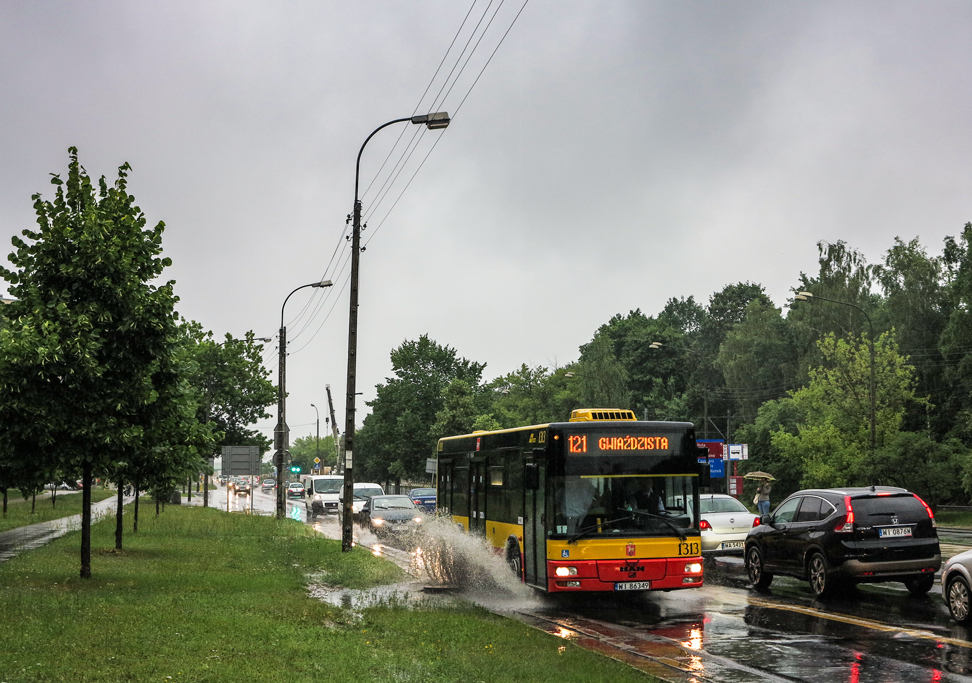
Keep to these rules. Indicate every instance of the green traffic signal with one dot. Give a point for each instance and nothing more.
(295, 469)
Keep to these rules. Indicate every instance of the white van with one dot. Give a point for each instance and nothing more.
(321, 493)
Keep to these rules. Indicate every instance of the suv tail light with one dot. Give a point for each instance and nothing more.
(756, 521)
(931, 515)
(846, 525)
(704, 525)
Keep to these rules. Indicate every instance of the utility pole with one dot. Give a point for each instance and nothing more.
(317, 412)
(281, 442)
(334, 429)
(435, 121)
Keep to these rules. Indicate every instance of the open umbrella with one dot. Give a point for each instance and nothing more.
(759, 475)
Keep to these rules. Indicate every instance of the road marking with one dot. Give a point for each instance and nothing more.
(857, 621)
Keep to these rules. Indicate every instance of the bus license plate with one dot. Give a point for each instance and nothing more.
(729, 545)
(894, 531)
(633, 586)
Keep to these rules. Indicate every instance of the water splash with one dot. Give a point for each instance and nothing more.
(469, 564)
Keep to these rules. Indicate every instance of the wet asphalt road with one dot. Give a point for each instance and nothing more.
(726, 631)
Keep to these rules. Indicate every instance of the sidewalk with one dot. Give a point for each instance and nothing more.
(16, 541)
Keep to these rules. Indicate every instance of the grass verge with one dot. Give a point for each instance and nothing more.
(201, 595)
(66, 504)
(954, 518)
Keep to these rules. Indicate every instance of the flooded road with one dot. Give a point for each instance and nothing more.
(726, 631)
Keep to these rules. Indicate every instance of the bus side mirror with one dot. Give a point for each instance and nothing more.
(531, 476)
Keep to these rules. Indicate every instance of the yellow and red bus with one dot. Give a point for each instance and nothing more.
(603, 502)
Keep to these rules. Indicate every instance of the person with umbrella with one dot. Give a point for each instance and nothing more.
(763, 488)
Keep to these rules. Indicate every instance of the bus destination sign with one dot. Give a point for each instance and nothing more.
(587, 443)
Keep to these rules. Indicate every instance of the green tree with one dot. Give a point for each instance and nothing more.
(84, 357)
(833, 436)
(233, 386)
(535, 395)
(603, 378)
(917, 307)
(304, 449)
(758, 359)
(458, 413)
(395, 438)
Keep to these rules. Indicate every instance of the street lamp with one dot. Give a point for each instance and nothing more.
(281, 433)
(872, 389)
(435, 121)
(318, 456)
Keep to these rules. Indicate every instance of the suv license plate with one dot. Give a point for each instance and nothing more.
(633, 586)
(894, 531)
(729, 545)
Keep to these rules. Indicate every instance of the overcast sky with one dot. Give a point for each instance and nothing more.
(611, 156)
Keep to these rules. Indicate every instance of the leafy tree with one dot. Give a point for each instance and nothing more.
(233, 386)
(535, 395)
(304, 449)
(395, 439)
(833, 437)
(84, 354)
(758, 359)
(782, 415)
(917, 307)
(458, 413)
(956, 339)
(603, 379)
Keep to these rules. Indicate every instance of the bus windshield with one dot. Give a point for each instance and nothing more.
(635, 505)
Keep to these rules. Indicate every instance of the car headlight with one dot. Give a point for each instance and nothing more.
(377, 521)
(417, 520)
(317, 497)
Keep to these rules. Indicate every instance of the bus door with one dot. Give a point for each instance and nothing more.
(477, 498)
(535, 524)
(443, 502)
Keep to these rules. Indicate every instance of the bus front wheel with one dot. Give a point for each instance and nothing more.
(514, 559)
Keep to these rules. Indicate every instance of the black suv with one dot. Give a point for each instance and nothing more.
(860, 535)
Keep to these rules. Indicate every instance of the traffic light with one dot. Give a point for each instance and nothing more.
(295, 469)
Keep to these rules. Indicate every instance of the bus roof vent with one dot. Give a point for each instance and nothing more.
(592, 414)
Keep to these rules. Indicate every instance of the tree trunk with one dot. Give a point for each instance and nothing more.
(33, 502)
(189, 489)
(135, 525)
(156, 506)
(118, 516)
(5, 502)
(86, 521)
(54, 497)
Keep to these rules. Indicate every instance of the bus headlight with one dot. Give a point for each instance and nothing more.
(566, 571)
(693, 568)
(417, 520)
(377, 521)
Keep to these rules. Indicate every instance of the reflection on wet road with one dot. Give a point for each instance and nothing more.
(726, 631)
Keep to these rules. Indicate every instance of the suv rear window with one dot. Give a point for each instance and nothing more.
(879, 510)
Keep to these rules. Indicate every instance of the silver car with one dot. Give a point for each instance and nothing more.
(956, 582)
(725, 523)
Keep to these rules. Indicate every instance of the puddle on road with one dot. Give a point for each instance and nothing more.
(450, 565)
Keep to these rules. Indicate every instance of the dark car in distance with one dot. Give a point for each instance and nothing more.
(390, 515)
(849, 535)
(423, 498)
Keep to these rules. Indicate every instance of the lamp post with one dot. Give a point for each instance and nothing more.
(434, 121)
(318, 456)
(872, 388)
(281, 433)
